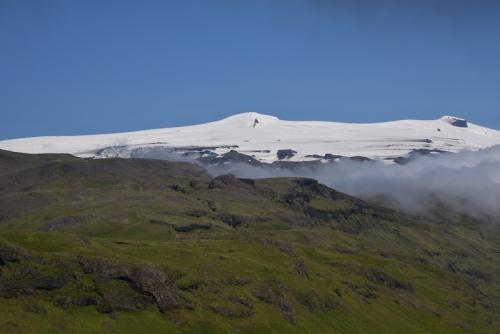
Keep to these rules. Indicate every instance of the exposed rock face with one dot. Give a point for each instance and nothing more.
(222, 181)
(192, 227)
(230, 157)
(455, 121)
(382, 278)
(27, 276)
(157, 283)
(235, 220)
(115, 300)
(301, 268)
(349, 215)
(255, 122)
(330, 156)
(149, 280)
(187, 227)
(461, 123)
(415, 154)
(116, 286)
(10, 254)
(322, 302)
(360, 158)
(285, 154)
(274, 292)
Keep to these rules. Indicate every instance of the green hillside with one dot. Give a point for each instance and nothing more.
(146, 246)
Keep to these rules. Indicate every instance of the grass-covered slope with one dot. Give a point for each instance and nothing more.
(143, 246)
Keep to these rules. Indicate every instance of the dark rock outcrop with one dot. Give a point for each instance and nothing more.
(285, 154)
(26, 277)
(330, 156)
(300, 267)
(224, 180)
(230, 157)
(315, 302)
(273, 292)
(149, 280)
(382, 278)
(192, 227)
(10, 254)
(455, 121)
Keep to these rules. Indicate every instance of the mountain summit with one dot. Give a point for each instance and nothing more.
(267, 139)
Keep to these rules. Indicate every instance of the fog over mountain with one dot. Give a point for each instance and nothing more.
(413, 163)
(469, 181)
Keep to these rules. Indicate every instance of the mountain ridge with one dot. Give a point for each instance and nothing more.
(262, 137)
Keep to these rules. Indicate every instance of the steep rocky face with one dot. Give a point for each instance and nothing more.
(285, 154)
(147, 279)
(455, 121)
(141, 284)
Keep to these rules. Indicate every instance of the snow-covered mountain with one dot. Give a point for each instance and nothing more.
(266, 139)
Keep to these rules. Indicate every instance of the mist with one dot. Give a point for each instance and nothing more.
(467, 182)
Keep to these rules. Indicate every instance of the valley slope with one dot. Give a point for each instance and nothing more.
(136, 245)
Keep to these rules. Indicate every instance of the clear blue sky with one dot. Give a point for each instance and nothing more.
(77, 67)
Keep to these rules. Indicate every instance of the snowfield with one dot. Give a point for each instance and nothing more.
(262, 136)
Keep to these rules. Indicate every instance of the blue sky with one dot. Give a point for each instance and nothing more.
(81, 67)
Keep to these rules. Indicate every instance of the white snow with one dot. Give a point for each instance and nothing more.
(376, 140)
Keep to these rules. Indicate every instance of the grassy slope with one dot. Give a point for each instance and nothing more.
(280, 255)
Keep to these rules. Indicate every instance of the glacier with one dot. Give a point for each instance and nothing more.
(266, 139)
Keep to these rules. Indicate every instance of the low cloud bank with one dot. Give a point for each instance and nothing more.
(467, 181)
